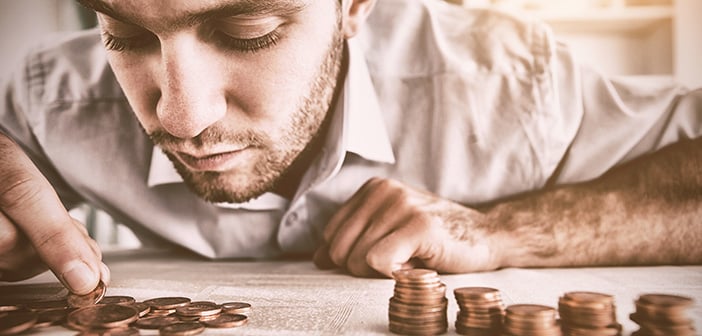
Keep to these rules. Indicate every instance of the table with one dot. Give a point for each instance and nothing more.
(292, 297)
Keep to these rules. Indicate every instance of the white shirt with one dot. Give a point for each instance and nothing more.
(470, 104)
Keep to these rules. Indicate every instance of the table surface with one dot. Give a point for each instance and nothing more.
(295, 298)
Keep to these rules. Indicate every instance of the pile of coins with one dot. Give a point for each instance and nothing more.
(418, 306)
(480, 311)
(663, 314)
(588, 313)
(531, 319)
(97, 314)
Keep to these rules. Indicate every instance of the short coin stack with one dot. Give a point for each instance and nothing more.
(588, 313)
(419, 304)
(481, 311)
(532, 320)
(663, 314)
(97, 314)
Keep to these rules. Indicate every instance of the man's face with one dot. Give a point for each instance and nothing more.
(231, 90)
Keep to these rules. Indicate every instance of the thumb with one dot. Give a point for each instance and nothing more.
(29, 201)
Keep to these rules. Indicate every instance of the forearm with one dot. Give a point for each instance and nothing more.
(647, 211)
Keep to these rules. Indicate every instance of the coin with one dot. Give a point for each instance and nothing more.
(89, 299)
(102, 316)
(666, 300)
(128, 331)
(156, 322)
(51, 317)
(167, 303)
(182, 329)
(199, 308)
(227, 321)
(236, 307)
(117, 300)
(17, 321)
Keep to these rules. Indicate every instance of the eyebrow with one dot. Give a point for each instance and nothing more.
(229, 9)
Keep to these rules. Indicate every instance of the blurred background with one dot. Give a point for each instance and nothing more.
(645, 40)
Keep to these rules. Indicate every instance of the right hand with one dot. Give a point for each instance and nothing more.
(37, 232)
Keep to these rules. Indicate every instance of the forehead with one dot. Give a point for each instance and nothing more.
(168, 12)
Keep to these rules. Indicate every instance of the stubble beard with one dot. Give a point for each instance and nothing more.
(278, 156)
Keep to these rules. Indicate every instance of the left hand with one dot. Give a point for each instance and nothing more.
(387, 225)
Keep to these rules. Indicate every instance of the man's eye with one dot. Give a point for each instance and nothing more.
(246, 45)
(127, 43)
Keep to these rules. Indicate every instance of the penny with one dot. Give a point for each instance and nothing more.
(166, 303)
(50, 304)
(117, 300)
(89, 299)
(227, 321)
(128, 331)
(417, 274)
(142, 308)
(102, 316)
(156, 322)
(51, 317)
(666, 300)
(477, 293)
(182, 329)
(199, 308)
(236, 307)
(17, 321)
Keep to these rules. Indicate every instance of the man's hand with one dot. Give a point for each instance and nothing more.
(36, 231)
(386, 226)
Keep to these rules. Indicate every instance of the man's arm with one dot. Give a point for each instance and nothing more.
(643, 212)
(646, 211)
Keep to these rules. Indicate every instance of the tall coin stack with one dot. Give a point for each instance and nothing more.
(532, 320)
(663, 314)
(481, 311)
(419, 304)
(588, 313)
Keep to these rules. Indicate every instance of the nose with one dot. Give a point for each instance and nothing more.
(192, 92)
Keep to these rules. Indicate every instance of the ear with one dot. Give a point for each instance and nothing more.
(354, 13)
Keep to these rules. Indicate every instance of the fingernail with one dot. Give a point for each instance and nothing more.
(79, 278)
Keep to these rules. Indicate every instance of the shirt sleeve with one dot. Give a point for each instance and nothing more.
(615, 120)
(19, 106)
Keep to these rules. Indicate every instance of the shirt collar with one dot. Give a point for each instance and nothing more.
(357, 126)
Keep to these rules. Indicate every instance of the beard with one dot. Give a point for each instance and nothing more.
(276, 155)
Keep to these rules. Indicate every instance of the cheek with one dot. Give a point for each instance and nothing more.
(134, 78)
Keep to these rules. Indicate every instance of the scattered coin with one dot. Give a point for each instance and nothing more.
(182, 329)
(226, 321)
(236, 307)
(199, 309)
(156, 322)
(124, 300)
(89, 299)
(17, 321)
(167, 303)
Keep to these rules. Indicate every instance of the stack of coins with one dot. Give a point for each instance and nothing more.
(480, 311)
(588, 313)
(97, 314)
(419, 304)
(532, 320)
(663, 314)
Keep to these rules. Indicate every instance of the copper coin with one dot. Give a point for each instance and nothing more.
(164, 303)
(43, 305)
(236, 307)
(605, 299)
(477, 293)
(117, 300)
(666, 300)
(416, 274)
(51, 317)
(102, 316)
(531, 310)
(182, 329)
(199, 308)
(142, 308)
(227, 321)
(156, 322)
(88, 299)
(128, 331)
(161, 312)
(17, 321)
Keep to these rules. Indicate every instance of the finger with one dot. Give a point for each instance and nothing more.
(322, 260)
(388, 219)
(29, 201)
(347, 209)
(18, 260)
(397, 250)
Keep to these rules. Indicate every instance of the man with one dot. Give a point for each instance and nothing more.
(375, 135)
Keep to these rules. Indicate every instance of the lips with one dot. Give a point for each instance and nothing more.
(213, 162)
